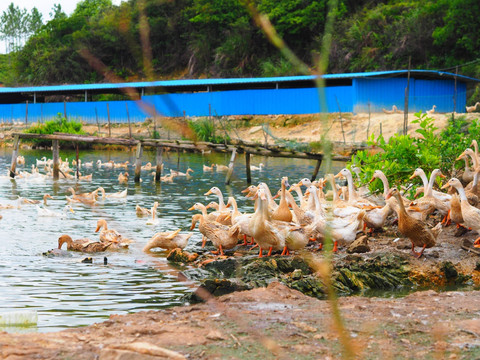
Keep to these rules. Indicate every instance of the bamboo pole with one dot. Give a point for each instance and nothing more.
(56, 167)
(96, 117)
(108, 115)
(129, 125)
(247, 165)
(138, 162)
(317, 168)
(407, 92)
(159, 160)
(13, 165)
(26, 113)
(230, 166)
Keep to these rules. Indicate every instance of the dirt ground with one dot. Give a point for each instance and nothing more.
(277, 322)
(273, 323)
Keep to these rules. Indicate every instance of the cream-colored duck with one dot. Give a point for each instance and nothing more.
(153, 220)
(208, 168)
(470, 214)
(240, 220)
(282, 212)
(168, 178)
(220, 167)
(123, 178)
(341, 207)
(44, 212)
(179, 173)
(222, 237)
(168, 240)
(354, 198)
(83, 245)
(123, 165)
(414, 229)
(429, 183)
(266, 234)
(257, 168)
(429, 203)
(117, 195)
(109, 235)
(147, 167)
(31, 201)
(141, 211)
(297, 188)
(107, 165)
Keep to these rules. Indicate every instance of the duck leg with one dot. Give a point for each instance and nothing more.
(446, 220)
(245, 240)
(204, 241)
(476, 243)
(270, 251)
(285, 251)
(260, 252)
(219, 251)
(335, 246)
(418, 254)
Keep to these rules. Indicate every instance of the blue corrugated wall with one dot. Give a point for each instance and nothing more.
(238, 102)
(380, 93)
(423, 94)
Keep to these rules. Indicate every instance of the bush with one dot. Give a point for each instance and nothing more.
(402, 154)
(59, 124)
(204, 130)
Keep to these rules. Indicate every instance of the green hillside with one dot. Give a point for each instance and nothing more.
(162, 39)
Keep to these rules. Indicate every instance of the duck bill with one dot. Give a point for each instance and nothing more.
(208, 192)
(98, 228)
(372, 180)
(460, 157)
(192, 208)
(276, 196)
(338, 175)
(412, 177)
(447, 185)
(71, 210)
(442, 176)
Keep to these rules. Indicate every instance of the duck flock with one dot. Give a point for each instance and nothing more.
(304, 216)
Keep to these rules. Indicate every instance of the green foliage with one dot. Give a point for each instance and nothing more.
(59, 124)
(204, 130)
(402, 154)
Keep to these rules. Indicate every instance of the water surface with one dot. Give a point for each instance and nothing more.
(67, 293)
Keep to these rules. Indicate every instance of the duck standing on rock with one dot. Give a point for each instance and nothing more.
(414, 229)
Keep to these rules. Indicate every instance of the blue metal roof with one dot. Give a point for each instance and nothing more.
(230, 81)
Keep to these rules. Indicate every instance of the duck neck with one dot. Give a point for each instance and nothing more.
(386, 186)
(352, 196)
(221, 204)
(467, 165)
(334, 189)
(475, 157)
(429, 189)
(401, 206)
(461, 192)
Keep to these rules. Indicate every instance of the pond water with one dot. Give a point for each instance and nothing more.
(67, 293)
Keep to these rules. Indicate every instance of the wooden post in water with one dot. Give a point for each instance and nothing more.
(247, 164)
(159, 159)
(56, 164)
(13, 165)
(96, 117)
(138, 162)
(230, 166)
(77, 160)
(109, 128)
(317, 168)
(129, 125)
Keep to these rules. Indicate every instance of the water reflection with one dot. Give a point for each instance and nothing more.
(68, 293)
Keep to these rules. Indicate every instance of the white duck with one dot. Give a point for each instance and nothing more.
(44, 212)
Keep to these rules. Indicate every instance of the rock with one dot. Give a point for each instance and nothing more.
(139, 350)
(216, 335)
(360, 245)
(254, 129)
(179, 256)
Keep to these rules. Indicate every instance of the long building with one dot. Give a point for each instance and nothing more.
(352, 92)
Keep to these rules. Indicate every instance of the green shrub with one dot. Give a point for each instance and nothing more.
(402, 154)
(59, 124)
(204, 130)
